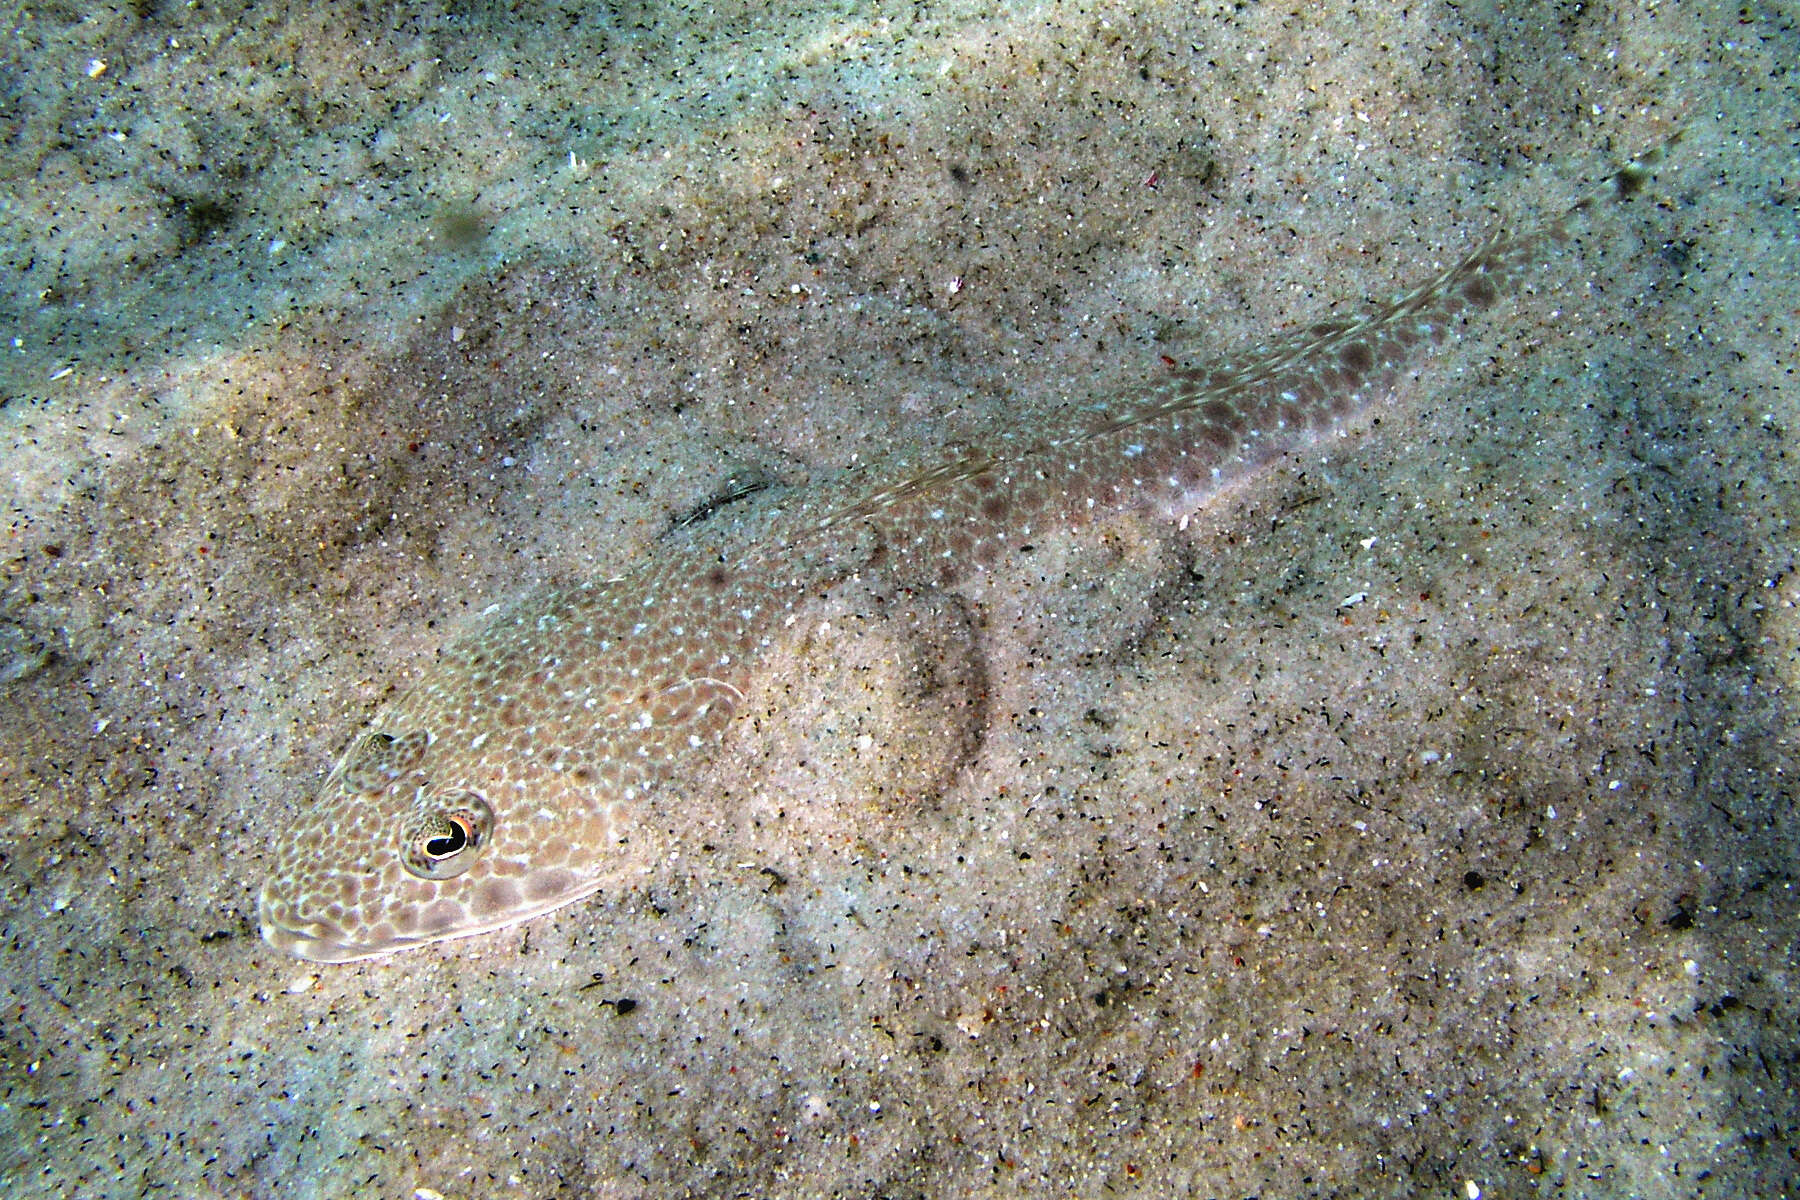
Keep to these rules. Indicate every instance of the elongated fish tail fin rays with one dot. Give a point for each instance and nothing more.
(1629, 179)
(1626, 181)
(1494, 270)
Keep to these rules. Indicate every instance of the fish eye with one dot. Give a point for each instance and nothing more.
(446, 839)
(451, 842)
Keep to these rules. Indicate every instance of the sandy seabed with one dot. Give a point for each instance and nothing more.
(1418, 821)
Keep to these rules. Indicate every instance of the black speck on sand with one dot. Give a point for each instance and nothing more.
(1417, 822)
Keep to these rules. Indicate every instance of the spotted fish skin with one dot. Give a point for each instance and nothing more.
(523, 771)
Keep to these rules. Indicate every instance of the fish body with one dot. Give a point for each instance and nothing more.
(523, 771)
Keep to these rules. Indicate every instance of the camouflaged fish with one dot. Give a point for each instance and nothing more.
(511, 779)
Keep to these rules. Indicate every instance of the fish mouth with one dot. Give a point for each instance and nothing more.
(318, 939)
(321, 939)
(315, 937)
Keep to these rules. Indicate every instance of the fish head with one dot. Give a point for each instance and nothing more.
(403, 847)
(508, 782)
